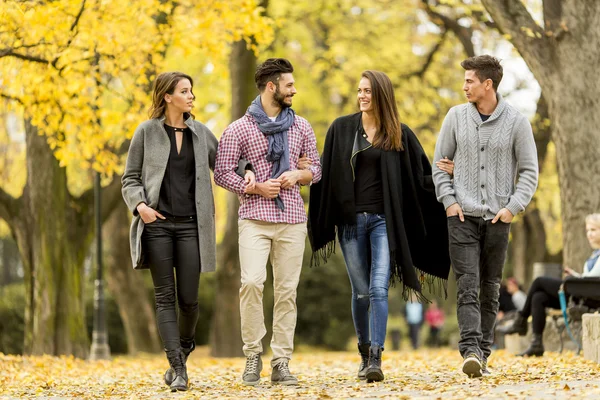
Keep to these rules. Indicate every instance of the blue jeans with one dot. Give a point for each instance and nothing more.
(369, 278)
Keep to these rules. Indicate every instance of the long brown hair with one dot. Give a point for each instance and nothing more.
(385, 111)
(165, 83)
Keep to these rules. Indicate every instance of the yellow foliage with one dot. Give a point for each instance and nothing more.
(331, 42)
(81, 69)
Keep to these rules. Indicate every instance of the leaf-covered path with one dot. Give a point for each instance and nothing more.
(426, 374)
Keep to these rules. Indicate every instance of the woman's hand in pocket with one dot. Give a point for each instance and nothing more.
(148, 214)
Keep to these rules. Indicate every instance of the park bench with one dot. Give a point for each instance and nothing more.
(584, 298)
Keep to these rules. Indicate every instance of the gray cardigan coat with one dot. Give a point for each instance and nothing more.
(143, 176)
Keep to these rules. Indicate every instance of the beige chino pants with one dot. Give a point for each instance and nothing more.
(284, 243)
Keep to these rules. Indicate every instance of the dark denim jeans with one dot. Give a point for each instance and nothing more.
(172, 251)
(478, 251)
(369, 278)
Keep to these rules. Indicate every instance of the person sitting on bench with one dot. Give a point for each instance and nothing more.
(543, 293)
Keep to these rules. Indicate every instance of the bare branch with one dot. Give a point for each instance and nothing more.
(11, 98)
(429, 59)
(78, 17)
(9, 206)
(464, 34)
(11, 53)
(527, 36)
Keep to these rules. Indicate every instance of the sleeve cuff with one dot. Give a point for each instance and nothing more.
(514, 207)
(448, 201)
(313, 171)
(241, 187)
(140, 198)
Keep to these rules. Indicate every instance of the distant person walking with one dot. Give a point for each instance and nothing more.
(434, 316)
(414, 319)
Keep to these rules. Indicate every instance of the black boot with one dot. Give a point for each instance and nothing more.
(363, 350)
(536, 348)
(519, 326)
(374, 373)
(177, 363)
(186, 348)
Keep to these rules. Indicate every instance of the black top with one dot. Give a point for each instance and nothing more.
(368, 191)
(178, 189)
(484, 117)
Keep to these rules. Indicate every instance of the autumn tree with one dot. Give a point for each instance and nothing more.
(79, 72)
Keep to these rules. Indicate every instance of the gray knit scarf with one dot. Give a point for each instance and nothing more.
(276, 132)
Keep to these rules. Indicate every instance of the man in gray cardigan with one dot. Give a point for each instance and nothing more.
(494, 178)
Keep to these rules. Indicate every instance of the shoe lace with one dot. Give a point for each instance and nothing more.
(364, 360)
(252, 364)
(283, 368)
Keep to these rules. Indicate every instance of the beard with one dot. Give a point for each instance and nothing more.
(279, 99)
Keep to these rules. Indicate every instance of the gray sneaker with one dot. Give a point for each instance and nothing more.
(281, 374)
(251, 376)
(484, 370)
(472, 366)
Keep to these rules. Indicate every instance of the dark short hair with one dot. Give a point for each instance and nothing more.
(270, 71)
(485, 67)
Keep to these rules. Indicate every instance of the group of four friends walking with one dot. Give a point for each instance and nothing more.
(396, 217)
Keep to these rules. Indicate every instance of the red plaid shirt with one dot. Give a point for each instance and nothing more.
(243, 140)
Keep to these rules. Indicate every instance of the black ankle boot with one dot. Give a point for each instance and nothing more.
(363, 350)
(536, 348)
(186, 348)
(374, 373)
(177, 363)
(519, 326)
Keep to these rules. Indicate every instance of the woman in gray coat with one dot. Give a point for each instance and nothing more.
(167, 187)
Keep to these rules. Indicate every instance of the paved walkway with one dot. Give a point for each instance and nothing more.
(425, 374)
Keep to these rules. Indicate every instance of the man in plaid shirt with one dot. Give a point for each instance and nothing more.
(272, 218)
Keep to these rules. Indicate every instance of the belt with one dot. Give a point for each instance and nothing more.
(173, 218)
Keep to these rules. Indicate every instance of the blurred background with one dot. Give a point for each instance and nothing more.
(75, 80)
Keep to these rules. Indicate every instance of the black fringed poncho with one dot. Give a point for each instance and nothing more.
(416, 222)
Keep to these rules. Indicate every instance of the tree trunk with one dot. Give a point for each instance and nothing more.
(53, 231)
(127, 286)
(52, 242)
(226, 338)
(563, 57)
(10, 261)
